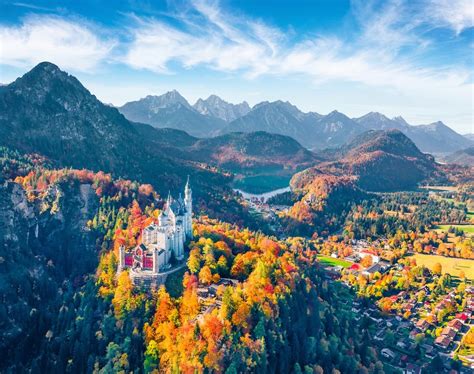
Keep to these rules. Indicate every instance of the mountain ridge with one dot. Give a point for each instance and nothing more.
(214, 106)
(311, 129)
(171, 110)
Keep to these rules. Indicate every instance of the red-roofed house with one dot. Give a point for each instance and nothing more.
(355, 267)
(462, 316)
(422, 324)
(448, 331)
(455, 324)
(443, 341)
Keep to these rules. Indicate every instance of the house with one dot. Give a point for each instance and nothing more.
(401, 345)
(404, 360)
(380, 335)
(455, 324)
(203, 292)
(462, 316)
(429, 350)
(449, 332)
(354, 267)
(442, 341)
(381, 267)
(388, 353)
(422, 325)
(413, 334)
(365, 253)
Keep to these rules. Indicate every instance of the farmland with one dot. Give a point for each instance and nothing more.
(468, 229)
(450, 265)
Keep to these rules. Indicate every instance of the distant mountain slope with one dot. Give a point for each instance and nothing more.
(214, 106)
(253, 151)
(277, 117)
(469, 136)
(49, 112)
(437, 138)
(462, 157)
(173, 111)
(432, 138)
(335, 129)
(312, 130)
(377, 121)
(378, 160)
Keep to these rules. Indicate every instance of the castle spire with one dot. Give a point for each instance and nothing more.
(187, 184)
(168, 200)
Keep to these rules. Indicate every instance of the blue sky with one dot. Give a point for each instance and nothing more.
(398, 57)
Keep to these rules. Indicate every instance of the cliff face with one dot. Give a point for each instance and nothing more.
(45, 251)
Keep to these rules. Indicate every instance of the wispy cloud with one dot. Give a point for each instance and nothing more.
(455, 14)
(205, 36)
(71, 44)
(213, 38)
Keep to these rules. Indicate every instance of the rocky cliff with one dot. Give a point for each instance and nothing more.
(45, 251)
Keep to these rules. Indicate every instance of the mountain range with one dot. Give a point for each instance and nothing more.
(173, 111)
(215, 116)
(49, 112)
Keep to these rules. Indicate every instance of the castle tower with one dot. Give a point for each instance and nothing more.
(188, 203)
(155, 261)
(121, 264)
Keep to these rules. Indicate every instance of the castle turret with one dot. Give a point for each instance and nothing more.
(168, 203)
(188, 203)
(121, 264)
(162, 219)
(155, 261)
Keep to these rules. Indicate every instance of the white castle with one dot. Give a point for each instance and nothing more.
(162, 240)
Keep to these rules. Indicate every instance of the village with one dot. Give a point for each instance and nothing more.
(427, 314)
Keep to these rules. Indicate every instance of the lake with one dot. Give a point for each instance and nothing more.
(265, 196)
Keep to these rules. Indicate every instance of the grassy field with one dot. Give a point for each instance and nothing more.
(440, 188)
(452, 266)
(329, 261)
(468, 229)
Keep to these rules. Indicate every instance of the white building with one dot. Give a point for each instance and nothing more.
(162, 240)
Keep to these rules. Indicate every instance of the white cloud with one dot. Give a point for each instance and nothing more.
(70, 44)
(205, 37)
(455, 14)
(224, 42)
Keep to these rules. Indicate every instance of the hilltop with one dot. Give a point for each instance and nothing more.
(378, 160)
(253, 151)
(461, 157)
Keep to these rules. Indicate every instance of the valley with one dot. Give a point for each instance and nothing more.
(355, 256)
